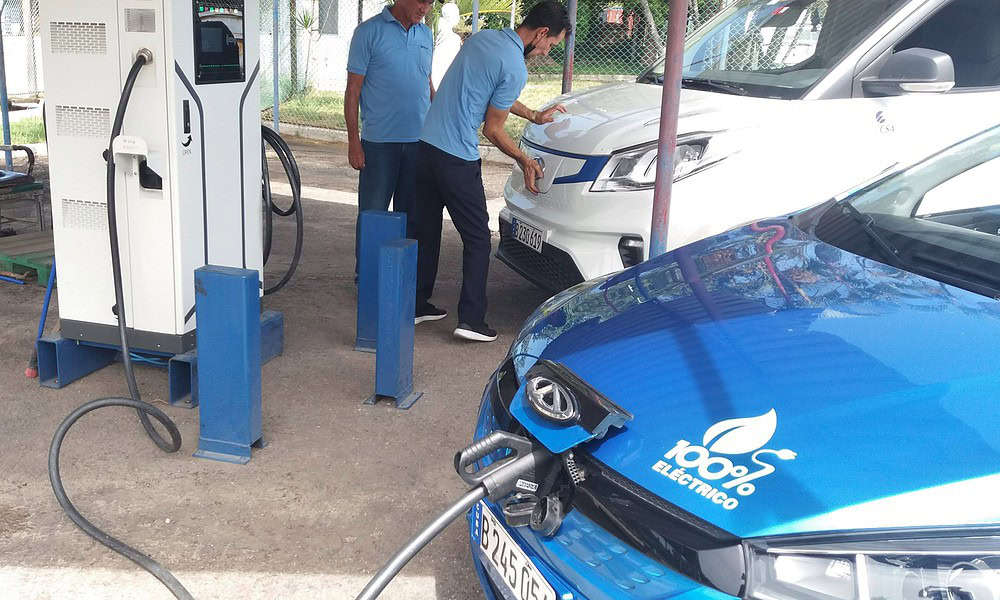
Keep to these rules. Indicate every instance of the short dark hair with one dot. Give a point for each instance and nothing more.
(548, 13)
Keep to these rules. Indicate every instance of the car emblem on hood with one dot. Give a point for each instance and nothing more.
(552, 400)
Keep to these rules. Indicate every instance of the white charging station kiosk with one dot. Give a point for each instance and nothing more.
(188, 160)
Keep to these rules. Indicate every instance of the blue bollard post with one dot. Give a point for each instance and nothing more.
(227, 304)
(377, 228)
(397, 288)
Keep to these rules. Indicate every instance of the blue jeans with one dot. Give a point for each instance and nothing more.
(390, 172)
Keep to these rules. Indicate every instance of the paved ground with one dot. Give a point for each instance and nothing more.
(340, 487)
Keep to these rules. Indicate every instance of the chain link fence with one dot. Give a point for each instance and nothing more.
(22, 46)
(615, 41)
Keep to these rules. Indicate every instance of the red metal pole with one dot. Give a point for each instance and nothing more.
(669, 109)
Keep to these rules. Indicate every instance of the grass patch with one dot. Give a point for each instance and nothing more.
(27, 131)
(326, 109)
(314, 108)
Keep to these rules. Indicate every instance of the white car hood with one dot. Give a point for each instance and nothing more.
(608, 118)
(828, 145)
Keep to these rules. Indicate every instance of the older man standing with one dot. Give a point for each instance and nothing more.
(480, 87)
(389, 76)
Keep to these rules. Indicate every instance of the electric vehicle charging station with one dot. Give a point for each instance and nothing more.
(173, 85)
(189, 189)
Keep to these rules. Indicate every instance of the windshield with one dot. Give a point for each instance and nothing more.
(775, 48)
(939, 218)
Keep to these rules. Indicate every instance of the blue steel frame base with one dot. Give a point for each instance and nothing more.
(182, 373)
(183, 368)
(407, 401)
(237, 454)
(62, 361)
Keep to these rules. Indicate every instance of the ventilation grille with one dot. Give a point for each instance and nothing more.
(78, 38)
(140, 20)
(83, 121)
(84, 214)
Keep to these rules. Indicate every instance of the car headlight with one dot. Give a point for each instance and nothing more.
(635, 168)
(941, 568)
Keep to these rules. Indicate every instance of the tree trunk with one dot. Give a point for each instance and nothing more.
(648, 14)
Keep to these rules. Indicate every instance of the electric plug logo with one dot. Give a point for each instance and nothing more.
(720, 479)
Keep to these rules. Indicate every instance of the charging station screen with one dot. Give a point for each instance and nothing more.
(218, 41)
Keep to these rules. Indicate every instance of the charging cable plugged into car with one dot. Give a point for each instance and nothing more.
(524, 465)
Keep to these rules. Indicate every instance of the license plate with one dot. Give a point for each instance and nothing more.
(511, 567)
(529, 235)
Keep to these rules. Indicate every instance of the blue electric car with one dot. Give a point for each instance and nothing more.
(799, 409)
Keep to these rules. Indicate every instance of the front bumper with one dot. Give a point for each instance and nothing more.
(553, 269)
(584, 562)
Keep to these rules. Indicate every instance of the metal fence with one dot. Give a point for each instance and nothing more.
(22, 47)
(304, 46)
(614, 41)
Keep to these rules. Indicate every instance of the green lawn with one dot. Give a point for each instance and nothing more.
(27, 131)
(326, 109)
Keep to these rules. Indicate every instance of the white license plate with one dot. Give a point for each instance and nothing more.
(529, 235)
(511, 566)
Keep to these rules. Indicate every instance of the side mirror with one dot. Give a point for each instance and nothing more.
(915, 70)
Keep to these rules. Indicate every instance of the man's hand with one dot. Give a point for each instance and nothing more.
(547, 115)
(356, 155)
(532, 172)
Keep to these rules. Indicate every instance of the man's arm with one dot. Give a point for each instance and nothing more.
(352, 99)
(494, 132)
(536, 117)
(430, 82)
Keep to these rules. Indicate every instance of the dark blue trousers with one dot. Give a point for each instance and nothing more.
(444, 180)
(389, 173)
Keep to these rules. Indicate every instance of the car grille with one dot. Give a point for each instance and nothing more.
(552, 269)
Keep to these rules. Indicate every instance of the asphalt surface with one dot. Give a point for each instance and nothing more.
(341, 485)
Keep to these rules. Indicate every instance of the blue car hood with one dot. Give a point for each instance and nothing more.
(779, 384)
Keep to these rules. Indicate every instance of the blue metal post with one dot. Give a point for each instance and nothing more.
(3, 101)
(275, 68)
(227, 305)
(475, 16)
(397, 283)
(377, 228)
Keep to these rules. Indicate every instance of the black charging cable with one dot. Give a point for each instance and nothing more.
(284, 153)
(144, 409)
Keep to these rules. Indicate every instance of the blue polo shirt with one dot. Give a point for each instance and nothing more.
(488, 70)
(396, 64)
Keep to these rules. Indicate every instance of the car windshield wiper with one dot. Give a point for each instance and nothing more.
(866, 221)
(712, 85)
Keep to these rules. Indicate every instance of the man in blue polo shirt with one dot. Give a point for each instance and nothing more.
(481, 87)
(389, 74)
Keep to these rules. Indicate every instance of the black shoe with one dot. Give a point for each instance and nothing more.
(482, 333)
(428, 312)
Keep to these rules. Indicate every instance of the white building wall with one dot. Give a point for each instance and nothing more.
(328, 65)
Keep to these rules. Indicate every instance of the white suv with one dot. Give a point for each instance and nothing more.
(785, 103)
